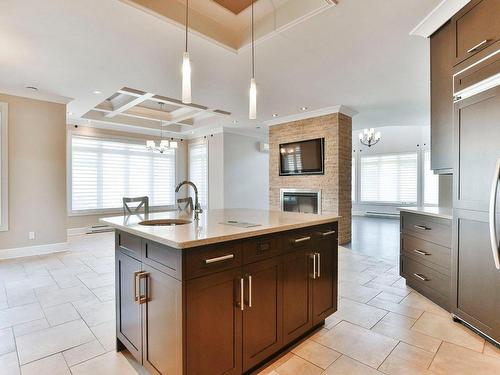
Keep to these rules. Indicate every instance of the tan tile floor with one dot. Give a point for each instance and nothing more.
(57, 317)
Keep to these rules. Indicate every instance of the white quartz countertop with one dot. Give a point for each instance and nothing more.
(441, 212)
(210, 228)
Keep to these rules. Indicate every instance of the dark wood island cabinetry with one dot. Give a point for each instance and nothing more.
(223, 308)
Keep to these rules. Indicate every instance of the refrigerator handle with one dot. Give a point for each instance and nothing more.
(492, 216)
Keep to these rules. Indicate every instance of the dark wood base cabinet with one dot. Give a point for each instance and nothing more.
(225, 308)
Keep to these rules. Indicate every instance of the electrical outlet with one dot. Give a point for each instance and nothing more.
(31, 235)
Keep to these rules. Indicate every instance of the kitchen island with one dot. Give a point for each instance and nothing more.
(224, 294)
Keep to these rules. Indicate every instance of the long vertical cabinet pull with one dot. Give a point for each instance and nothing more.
(143, 298)
(242, 294)
(313, 257)
(492, 214)
(136, 297)
(249, 290)
(319, 264)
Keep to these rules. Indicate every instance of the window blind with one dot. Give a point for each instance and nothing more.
(431, 182)
(103, 171)
(198, 170)
(389, 178)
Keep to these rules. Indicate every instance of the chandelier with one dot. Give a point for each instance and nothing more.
(369, 137)
(164, 144)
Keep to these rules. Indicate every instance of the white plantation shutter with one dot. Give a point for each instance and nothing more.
(198, 170)
(431, 182)
(389, 178)
(106, 170)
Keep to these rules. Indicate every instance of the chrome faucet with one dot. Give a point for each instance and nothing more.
(197, 205)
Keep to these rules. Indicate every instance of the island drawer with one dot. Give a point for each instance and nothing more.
(428, 253)
(426, 280)
(164, 258)
(128, 244)
(298, 239)
(208, 259)
(259, 248)
(428, 228)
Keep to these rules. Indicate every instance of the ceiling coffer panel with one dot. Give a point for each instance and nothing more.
(235, 6)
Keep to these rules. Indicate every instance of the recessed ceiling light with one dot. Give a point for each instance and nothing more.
(235, 121)
(192, 131)
(303, 108)
(33, 88)
(97, 92)
(275, 115)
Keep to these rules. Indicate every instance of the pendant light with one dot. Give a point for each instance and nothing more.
(186, 66)
(164, 143)
(252, 107)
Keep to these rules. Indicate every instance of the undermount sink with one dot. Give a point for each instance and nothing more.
(165, 222)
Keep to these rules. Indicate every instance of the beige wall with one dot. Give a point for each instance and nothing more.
(335, 184)
(82, 221)
(37, 172)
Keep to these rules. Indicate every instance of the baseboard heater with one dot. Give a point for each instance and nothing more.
(392, 215)
(99, 229)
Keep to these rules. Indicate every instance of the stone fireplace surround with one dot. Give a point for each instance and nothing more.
(335, 184)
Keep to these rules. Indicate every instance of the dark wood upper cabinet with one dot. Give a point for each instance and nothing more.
(441, 46)
(477, 136)
(128, 311)
(324, 287)
(475, 28)
(297, 294)
(476, 281)
(162, 335)
(262, 333)
(213, 323)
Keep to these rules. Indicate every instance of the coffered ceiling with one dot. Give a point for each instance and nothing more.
(228, 22)
(235, 6)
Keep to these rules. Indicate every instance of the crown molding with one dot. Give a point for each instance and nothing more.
(438, 17)
(310, 114)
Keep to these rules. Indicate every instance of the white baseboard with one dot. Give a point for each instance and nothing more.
(77, 231)
(27, 251)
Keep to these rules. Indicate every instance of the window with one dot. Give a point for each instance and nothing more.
(103, 171)
(353, 179)
(389, 178)
(198, 170)
(431, 181)
(4, 185)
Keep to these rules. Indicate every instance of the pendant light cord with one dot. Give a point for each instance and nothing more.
(253, 45)
(187, 15)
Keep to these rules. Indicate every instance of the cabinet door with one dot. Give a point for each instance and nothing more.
(128, 311)
(262, 328)
(162, 322)
(477, 136)
(213, 324)
(297, 289)
(324, 294)
(475, 280)
(442, 100)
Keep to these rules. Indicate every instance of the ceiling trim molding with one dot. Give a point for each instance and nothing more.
(310, 114)
(438, 17)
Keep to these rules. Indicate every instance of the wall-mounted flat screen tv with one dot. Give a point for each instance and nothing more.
(302, 158)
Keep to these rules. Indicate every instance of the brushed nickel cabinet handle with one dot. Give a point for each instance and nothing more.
(477, 46)
(297, 240)
(143, 298)
(422, 227)
(420, 277)
(249, 290)
(319, 264)
(420, 252)
(328, 233)
(242, 294)
(313, 257)
(219, 259)
(136, 297)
